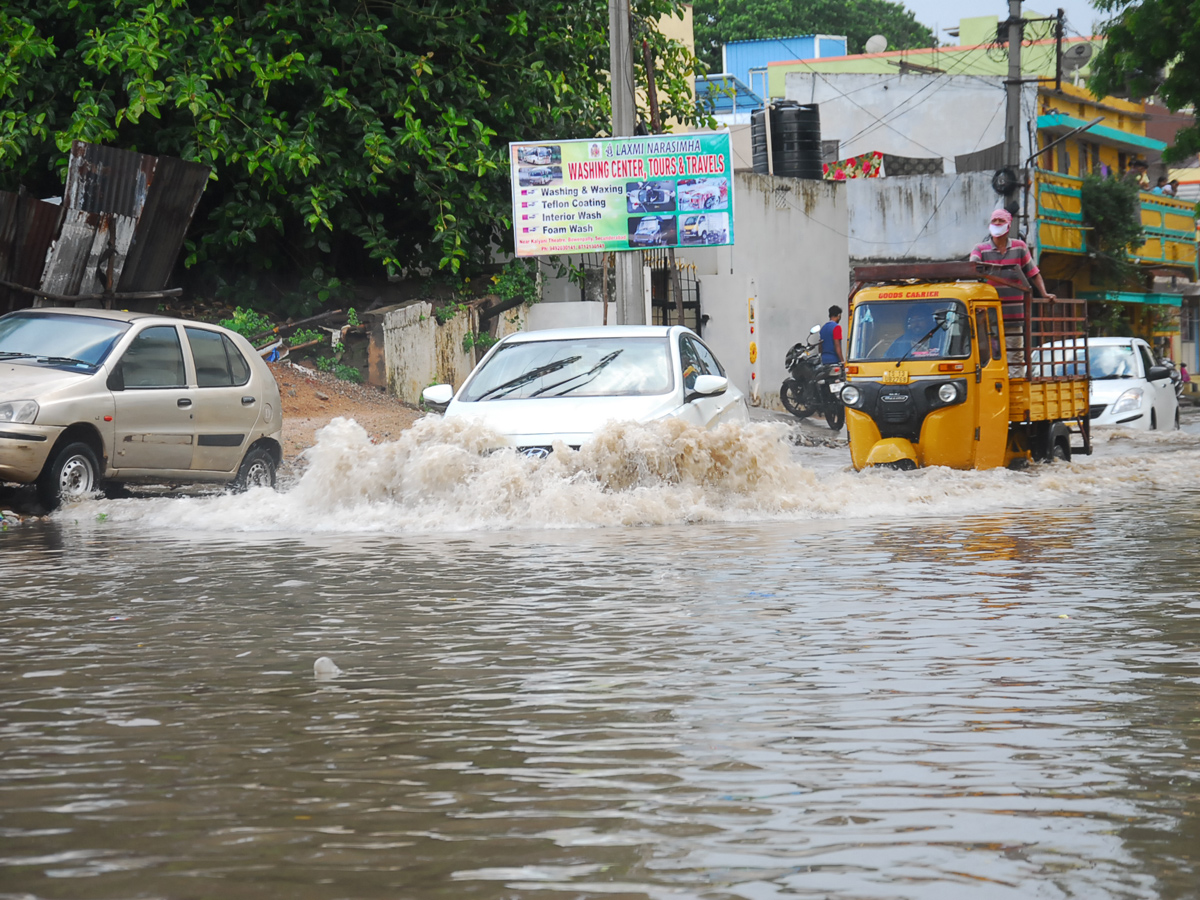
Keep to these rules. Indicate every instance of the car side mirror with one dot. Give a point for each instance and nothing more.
(1158, 373)
(438, 395)
(708, 386)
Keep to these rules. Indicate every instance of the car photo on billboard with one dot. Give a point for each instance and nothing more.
(649, 196)
(705, 228)
(539, 175)
(652, 231)
(703, 194)
(539, 156)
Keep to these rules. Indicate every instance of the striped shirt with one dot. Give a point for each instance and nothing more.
(1016, 251)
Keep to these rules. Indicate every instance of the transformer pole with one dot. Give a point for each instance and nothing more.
(631, 303)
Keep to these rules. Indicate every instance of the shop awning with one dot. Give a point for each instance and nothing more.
(1133, 297)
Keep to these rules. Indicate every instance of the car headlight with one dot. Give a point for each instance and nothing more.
(20, 412)
(947, 393)
(851, 395)
(1128, 401)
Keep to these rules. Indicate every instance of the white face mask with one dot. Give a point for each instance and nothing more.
(998, 230)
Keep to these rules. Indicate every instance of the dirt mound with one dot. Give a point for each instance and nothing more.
(312, 398)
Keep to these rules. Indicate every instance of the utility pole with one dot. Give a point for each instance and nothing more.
(631, 303)
(1012, 121)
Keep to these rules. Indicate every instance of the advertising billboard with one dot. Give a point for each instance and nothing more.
(631, 193)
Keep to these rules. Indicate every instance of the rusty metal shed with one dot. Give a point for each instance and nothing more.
(115, 237)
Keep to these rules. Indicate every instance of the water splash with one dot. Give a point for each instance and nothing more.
(443, 475)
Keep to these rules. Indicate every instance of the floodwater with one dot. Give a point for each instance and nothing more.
(676, 666)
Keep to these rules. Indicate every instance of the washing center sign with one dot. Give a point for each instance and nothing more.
(622, 193)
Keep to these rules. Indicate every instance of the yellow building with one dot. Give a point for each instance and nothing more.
(1107, 148)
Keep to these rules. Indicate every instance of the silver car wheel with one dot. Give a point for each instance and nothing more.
(76, 477)
(258, 474)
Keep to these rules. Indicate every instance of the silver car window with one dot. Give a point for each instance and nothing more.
(154, 359)
(218, 362)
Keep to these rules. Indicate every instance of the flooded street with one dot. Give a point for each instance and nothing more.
(675, 665)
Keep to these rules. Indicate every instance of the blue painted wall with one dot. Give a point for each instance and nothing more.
(741, 57)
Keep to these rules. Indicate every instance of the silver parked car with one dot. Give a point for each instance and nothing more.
(89, 397)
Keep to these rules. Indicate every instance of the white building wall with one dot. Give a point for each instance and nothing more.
(791, 251)
(911, 115)
(918, 217)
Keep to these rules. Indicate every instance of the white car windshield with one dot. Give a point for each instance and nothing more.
(58, 339)
(579, 367)
(647, 226)
(1112, 362)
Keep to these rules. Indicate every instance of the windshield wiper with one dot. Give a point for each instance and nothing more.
(532, 375)
(928, 335)
(592, 371)
(64, 361)
(13, 354)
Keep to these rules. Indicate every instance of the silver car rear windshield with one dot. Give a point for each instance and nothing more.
(58, 339)
(580, 367)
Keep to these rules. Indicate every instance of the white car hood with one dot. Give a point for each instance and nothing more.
(1110, 389)
(22, 382)
(573, 420)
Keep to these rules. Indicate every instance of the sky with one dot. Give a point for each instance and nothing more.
(946, 13)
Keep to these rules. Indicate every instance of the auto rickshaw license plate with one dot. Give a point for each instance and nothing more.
(895, 376)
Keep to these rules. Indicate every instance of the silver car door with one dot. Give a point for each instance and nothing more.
(227, 401)
(152, 404)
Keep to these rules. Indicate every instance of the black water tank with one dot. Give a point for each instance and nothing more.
(795, 139)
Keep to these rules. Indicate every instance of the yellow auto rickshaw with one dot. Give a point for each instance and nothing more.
(937, 376)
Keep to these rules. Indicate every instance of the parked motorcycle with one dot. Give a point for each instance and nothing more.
(813, 387)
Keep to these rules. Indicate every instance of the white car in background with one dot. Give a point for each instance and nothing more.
(537, 388)
(1128, 387)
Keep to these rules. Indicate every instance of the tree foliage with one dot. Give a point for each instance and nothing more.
(345, 136)
(1150, 48)
(719, 21)
(1112, 218)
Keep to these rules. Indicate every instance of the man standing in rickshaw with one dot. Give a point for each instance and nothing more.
(1002, 247)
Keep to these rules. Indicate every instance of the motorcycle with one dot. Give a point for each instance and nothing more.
(813, 387)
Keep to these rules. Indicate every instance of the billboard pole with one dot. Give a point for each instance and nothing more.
(631, 308)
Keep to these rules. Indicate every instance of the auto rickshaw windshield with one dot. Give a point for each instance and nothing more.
(925, 329)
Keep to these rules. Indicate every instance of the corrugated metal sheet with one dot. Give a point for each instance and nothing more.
(27, 228)
(123, 219)
(78, 259)
(107, 180)
(171, 202)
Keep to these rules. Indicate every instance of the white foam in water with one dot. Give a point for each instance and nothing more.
(438, 476)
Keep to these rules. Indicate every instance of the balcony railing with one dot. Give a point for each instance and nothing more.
(1170, 224)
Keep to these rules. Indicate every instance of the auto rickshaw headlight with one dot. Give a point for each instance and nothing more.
(851, 395)
(947, 393)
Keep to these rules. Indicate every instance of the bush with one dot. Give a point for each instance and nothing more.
(247, 322)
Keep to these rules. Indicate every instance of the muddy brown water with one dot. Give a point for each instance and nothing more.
(967, 701)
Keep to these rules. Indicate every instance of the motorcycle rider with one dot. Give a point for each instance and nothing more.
(831, 338)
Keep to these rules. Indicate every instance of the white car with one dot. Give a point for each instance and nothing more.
(536, 388)
(1128, 387)
(90, 397)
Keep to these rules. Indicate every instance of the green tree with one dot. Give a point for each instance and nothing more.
(719, 21)
(1150, 48)
(356, 138)
(1112, 218)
